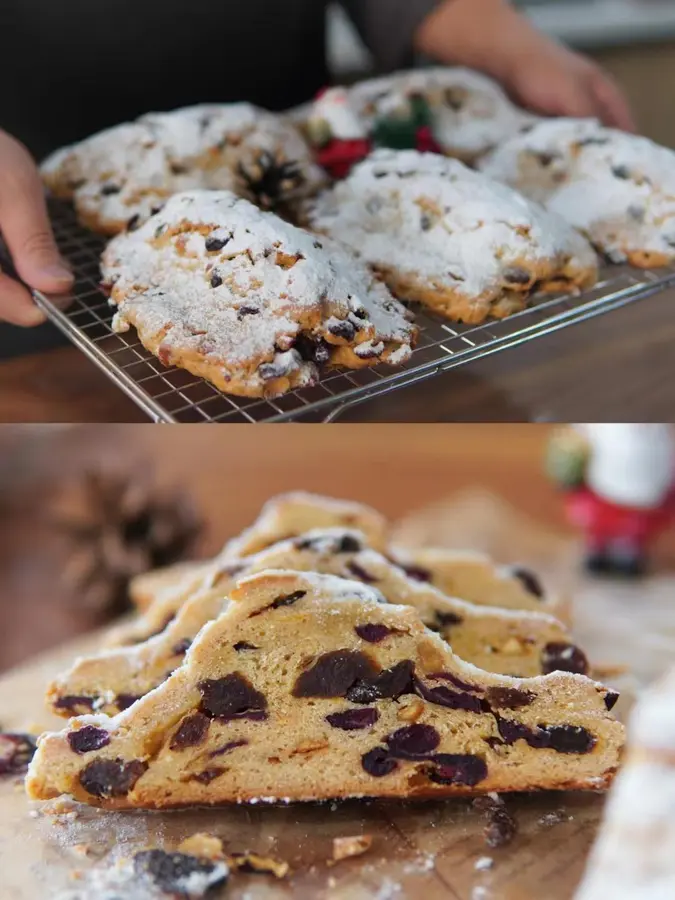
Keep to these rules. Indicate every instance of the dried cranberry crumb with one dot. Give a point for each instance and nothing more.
(517, 275)
(458, 682)
(562, 657)
(413, 742)
(529, 581)
(172, 872)
(89, 738)
(343, 329)
(287, 600)
(191, 732)
(221, 751)
(216, 280)
(444, 620)
(360, 573)
(124, 701)
(378, 763)
(389, 684)
(417, 573)
(244, 645)
(610, 699)
(353, 719)
(16, 751)
(443, 696)
(562, 738)
(458, 768)
(182, 647)
(374, 632)
(348, 544)
(334, 673)
(213, 244)
(509, 698)
(75, 703)
(208, 775)
(133, 222)
(109, 189)
(111, 777)
(232, 697)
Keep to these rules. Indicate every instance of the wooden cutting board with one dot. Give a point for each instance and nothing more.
(427, 850)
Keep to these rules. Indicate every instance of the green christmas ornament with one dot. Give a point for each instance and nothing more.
(400, 129)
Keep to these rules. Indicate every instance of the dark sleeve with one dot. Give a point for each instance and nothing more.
(387, 27)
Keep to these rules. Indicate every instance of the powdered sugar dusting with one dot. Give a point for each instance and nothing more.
(471, 113)
(617, 188)
(213, 277)
(127, 171)
(460, 231)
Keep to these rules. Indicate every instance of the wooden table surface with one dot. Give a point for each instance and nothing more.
(617, 367)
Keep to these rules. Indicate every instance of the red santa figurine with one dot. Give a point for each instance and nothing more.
(620, 482)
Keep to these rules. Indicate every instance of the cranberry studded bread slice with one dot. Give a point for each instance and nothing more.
(244, 299)
(117, 178)
(284, 516)
(634, 855)
(451, 238)
(618, 189)
(476, 578)
(282, 699)
(510, 642)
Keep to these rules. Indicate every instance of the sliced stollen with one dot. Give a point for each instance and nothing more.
(634, 855)
(244, 299)
(451, 238)
(511, 642)
(281, 699)
(284, 516)
(476, 578)
(618, 189)
(118, 177)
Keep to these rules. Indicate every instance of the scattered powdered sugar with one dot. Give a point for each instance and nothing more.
(433, 217)
(617, 188)
(126, 171)
(213, 277)
(483, 863)
(470, 112)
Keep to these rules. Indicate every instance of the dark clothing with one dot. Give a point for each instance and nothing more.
(72, 67)
(69, 68)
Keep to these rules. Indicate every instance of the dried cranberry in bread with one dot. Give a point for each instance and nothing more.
(283, 516)
(511, 642)
(239, 296)
(313, 711)
(118, 177)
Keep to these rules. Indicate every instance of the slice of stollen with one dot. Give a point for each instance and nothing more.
(281, 699)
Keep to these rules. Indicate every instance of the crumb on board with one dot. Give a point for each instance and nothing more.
(356, 845)
(208, 846)
(501, 827)
(556, 817)
(258, 865)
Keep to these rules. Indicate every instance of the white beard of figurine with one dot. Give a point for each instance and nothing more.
(334, 108)
(631, 465)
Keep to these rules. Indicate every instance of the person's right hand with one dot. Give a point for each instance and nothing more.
(25, 227)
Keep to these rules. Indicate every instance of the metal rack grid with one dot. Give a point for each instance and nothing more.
(174, 395)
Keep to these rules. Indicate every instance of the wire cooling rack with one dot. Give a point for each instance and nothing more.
(174, 395)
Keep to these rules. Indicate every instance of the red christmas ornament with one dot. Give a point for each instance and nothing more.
(339, 157)
(426, 142)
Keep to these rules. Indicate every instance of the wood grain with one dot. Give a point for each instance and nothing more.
(617, 367)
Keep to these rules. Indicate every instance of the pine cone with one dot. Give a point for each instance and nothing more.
(124, 526)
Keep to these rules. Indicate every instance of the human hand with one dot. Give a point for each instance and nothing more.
(539, 73)
(26, 230)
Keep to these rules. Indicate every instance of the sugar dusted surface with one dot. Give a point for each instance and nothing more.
(166, 287)
(630, 211)
(126, 170)
(424, 214)
(480, 115)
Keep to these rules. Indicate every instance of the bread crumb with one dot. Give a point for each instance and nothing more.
(258, 865)
(344, 847)
(206, 846)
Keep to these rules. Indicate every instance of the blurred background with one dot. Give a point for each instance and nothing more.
(634, 39)
(66, 541)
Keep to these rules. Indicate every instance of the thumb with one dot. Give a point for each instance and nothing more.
(25, 224)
